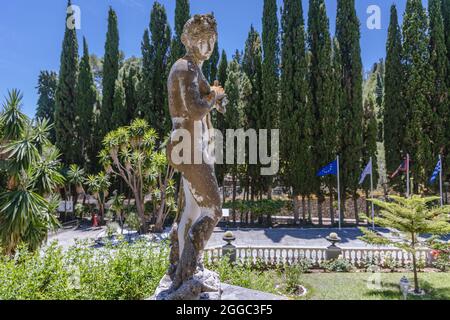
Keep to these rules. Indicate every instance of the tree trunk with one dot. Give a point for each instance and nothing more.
(141, 212)
(303, 210)
(343, 211)
(414, 259)
(331, 208)
(309, 210)
(355, 204)
(296, 209)
(319, 209)
(160, 218)
(233, 199)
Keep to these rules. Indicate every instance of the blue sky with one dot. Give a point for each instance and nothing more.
(31, 32)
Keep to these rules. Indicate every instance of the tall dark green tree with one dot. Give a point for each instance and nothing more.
(420, 124)
(182, 15)
(144, 87)
(110, 74)
(439, 94)
(351, 110)
(321, 86)
(446, 18)
(252, 66)
(47, 85)
(65, 121)
(158, 115)
(370, 149)
(295, 114)
(86, 100)
(394, 107)
(131, 84)
(219, 119)
(270, 72)
(209, 67)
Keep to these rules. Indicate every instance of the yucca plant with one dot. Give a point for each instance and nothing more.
(75, 177)
(411, 218)
(98, 185)
(30, 162)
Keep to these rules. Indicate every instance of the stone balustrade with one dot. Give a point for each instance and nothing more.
(291, 255)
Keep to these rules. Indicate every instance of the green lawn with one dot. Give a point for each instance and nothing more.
(354, 286)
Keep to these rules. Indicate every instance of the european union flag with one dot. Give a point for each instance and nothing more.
(436, 172)
(330, 169)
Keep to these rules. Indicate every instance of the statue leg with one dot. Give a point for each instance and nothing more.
(202, 186)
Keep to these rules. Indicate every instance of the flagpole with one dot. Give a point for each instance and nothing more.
(407, 176)
(339, 193)
(440, 180)
(371, 193)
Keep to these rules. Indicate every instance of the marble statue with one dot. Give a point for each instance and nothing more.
(191, 101)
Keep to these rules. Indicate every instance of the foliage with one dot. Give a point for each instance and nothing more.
(338, 265)
(27, 206)
(130, 153)
(47, 84)
(66, 92)
(110, 75)
(258, 208)
(440, 254)
(123, 272)
(412, 217)
(98, 185)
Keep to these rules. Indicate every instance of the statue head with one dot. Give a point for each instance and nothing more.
(199, 36)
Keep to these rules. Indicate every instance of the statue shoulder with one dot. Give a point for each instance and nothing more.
(182, 67)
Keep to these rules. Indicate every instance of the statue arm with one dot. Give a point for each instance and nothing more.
(198, 106)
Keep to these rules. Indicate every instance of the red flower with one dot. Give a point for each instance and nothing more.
(435, 253)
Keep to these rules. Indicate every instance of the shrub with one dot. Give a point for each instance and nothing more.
(338, 265)
(125, 272)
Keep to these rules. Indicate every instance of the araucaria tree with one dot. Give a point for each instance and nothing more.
(351, 108)
(131, 153)
(65, 121)
(47, 85)
(394, 106)
(110, 75)
(85, 102)
(270, 72)
(295, 114)
(420, 118)
(413, 218)
(324, 110)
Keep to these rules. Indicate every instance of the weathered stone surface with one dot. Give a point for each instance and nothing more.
(204, 285)
(230, 292)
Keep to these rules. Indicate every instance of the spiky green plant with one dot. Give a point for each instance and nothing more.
(411, 218)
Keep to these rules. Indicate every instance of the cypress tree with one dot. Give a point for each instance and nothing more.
(131, 84)
(439, 95)
(158, 115)
(394, 107)
(351, 110)
(446, 18)
(419, 123)
(119, 115)
(209, 67)
(110, 74)
(270, 73)
(86, 100)
(252, 66)
(219, 119)
(370, 145)
(295, 114)
(47, 85)
(144, 87)
(321, 87)
(65, 125)
(182, 15)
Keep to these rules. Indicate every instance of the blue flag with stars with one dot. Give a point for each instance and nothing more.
(330, 169)
(436, 172)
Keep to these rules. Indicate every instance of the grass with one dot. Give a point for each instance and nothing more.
(356, 286)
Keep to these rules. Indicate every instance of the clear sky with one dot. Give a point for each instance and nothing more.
(31, 32)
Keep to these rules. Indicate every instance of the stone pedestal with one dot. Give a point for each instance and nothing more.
(333, 252)
(204, 285)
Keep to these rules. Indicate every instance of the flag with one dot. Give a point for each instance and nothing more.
(403, 168)
(436, 172)
(367, 171)
(330, 169)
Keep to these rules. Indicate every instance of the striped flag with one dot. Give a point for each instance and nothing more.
(367, 171)
(436, 172)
